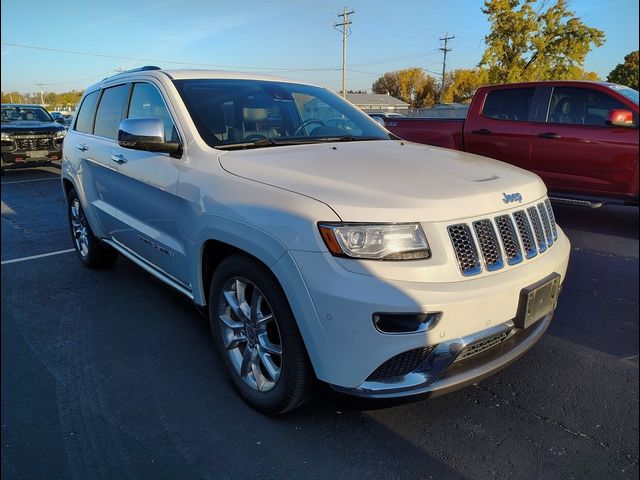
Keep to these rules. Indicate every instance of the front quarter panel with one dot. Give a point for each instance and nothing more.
(260, 219)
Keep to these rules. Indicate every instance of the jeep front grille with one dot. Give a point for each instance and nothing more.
(489, 246)
(537, 228)
(531, 231)
(509, 239)
(465, 248)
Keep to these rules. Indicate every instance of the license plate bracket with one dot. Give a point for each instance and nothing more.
(537, 300)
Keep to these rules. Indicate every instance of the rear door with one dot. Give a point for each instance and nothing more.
(499, 126)
(574, 150)
(147, 204)
(94, 147)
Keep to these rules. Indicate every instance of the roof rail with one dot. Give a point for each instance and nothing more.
(139, 69)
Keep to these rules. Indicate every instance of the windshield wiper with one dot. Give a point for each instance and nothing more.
(270, 142)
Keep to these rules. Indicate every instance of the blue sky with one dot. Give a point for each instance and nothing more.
(284, 37)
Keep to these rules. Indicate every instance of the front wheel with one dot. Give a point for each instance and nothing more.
(90, 250)
(257, 336)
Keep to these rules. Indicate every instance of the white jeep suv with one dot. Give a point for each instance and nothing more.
(381, 267)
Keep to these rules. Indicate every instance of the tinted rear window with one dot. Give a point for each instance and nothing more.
(84, 122)
(509, 104)
(110, 111)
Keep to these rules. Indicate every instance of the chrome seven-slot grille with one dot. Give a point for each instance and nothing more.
(522, 234)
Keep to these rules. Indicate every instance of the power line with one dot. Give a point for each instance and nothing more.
(444, 49)
(345, 34)
(175, 62)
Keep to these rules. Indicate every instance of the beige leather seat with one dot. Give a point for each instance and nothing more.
(250, 128)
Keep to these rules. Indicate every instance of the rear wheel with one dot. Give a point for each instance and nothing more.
(257, 336)
(90, 250)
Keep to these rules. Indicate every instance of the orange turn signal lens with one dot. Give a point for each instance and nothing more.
(330, 241)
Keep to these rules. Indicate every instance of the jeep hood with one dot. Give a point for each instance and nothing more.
(388, 181)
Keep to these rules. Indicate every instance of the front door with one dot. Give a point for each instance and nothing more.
(148, 207)
(502, 130)
(574, 150)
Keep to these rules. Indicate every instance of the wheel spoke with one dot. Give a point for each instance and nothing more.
(235, 341)
(245, 368)
(267, 362)
(232, 300)
(229, 322)
(267, 346)
(260, 379)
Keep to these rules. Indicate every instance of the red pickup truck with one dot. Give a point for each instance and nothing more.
(580, 137)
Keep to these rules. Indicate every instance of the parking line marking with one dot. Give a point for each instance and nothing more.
(33, 257)
(31, 180)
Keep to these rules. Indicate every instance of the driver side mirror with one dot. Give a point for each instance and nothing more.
(59, 120)
(619, 118)
(146, 133)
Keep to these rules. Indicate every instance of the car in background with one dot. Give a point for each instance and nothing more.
(30, 136)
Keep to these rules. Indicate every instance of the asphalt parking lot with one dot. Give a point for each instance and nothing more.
(110, 374)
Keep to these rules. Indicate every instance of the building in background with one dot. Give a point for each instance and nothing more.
(377, 102)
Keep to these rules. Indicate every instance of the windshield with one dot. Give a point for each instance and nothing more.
(34, 114)
(256, 113)
(630, 93)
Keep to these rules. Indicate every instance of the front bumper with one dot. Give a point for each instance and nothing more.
(439, 373)
(334, 308)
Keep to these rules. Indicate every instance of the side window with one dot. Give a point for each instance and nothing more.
(110, 111)
(84, 119)
(509, 104)
(580, 106)
(146, 101)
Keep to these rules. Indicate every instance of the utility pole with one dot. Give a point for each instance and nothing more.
(345, 33)
(41, 92)
(444, 49)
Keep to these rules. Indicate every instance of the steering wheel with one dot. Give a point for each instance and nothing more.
(308, 122)
(254, 136)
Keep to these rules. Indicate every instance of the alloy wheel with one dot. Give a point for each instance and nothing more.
(250, 334)
(79, 228)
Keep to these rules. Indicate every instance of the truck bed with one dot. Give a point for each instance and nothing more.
(442, 132)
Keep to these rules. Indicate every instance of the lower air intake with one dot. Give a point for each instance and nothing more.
(400, 365)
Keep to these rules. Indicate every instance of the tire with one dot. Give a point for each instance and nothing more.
(258, 339)
(91, 251)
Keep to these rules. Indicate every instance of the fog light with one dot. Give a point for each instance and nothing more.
(405, 322)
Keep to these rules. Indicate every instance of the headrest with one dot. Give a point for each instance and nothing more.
(254, 114)
(563, 106)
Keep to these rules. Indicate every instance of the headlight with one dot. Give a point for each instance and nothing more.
(6, 137)
(401, 241)
(60, 134)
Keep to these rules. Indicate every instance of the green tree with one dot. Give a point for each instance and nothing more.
(626, 73)
(411, 85)
(462, 83)
(530, 40)
(387, 83)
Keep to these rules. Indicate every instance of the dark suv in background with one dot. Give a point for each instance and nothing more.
(30, 136)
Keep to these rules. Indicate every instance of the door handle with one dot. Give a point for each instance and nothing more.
(549, 135)
(482, 131)
(119, 158)
(82, 147)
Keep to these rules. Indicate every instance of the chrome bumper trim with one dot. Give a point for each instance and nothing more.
(431, 377)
